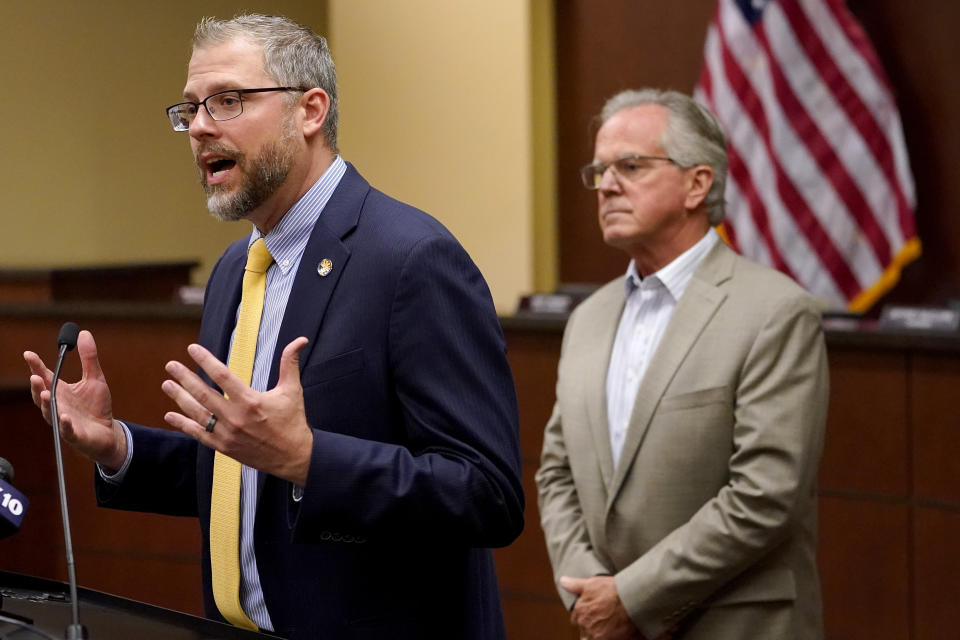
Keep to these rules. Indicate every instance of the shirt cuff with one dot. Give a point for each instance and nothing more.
(117, 477)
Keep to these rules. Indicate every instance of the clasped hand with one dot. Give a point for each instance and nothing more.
(265, 430)
(598, 611)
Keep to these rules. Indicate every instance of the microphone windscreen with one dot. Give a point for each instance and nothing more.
(6, 470)
(13, 506)
(68, 335)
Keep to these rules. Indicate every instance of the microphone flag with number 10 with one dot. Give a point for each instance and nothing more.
(13, 508)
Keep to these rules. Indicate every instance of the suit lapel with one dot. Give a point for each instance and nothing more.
(221, 301)
(311, 291)
(601, 332)
(693, 312)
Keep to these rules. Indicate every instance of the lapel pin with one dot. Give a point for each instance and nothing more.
(325, 267)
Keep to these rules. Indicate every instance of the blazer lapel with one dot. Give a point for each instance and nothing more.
(312, 290)
(693, 312)
(221, 301)
(595, 361)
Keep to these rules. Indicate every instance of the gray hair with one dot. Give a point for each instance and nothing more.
(693, 136)
(293, 55)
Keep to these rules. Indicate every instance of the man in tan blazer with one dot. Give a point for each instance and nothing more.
(677, 480)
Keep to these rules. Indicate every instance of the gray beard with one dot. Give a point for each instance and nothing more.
(261, 180)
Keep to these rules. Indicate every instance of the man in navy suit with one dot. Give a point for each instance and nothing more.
(378, 437)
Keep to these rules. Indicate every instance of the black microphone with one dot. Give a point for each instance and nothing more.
(68, 335)
(66, 341)
(13, 504)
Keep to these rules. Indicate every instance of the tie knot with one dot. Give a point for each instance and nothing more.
(258, 258)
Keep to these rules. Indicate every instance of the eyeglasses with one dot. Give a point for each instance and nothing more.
(629, 166)
(223, 105)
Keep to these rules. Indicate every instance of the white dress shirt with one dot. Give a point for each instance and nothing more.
(649, 305)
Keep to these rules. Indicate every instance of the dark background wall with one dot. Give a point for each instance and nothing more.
(604, 46)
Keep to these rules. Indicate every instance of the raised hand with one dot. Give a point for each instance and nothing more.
(86, 410)
(264, 430)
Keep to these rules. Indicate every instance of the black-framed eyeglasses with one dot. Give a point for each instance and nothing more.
(223, 105)
(629, 166)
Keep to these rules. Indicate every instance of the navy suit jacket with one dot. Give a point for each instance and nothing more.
(415, 470)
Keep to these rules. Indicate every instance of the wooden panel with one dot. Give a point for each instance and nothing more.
(864, 569)
(151, 558)
(937, 571)
(934, 386)
(534, 356)
(25, 289)
(872, 585)
(536, 620)
(532, 608)
(162, 580)
(148, 281)
(867, 423)
(524, 567)
(26, 441)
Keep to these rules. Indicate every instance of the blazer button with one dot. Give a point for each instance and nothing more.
(348, 538)
(324, 535)
(337, 537)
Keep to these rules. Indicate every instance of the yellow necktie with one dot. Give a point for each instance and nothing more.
(225, 498)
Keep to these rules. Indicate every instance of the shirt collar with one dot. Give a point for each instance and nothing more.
(676, 275)
(287, 240)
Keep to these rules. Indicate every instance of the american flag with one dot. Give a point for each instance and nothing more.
(819, 183)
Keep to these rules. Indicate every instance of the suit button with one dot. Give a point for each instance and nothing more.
(348, 538)
(337, 537)
(324, 535)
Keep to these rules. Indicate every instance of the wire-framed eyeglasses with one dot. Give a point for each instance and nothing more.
(223, 105)
(629, 166)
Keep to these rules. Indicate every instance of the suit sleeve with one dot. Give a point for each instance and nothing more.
(568, 542)
(161, 477)
(455, 477)
(780, 412)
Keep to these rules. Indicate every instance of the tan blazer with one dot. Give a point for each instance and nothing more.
(708, 522)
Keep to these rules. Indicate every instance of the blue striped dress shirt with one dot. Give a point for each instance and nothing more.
(286, 243)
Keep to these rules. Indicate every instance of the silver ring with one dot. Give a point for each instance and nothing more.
(211, 422)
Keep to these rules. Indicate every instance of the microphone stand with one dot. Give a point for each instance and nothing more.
(66, 341)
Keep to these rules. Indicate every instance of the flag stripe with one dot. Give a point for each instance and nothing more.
(821, 150)
(849, 50)
(761, 229)
(769, 227)
(807, 223)
(849, 100)
(819, 183)
(857, 38)
(769, 224)
(748, 236)
(758, 213)
(800, 167)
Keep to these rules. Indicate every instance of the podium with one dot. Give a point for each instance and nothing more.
(47, 604)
